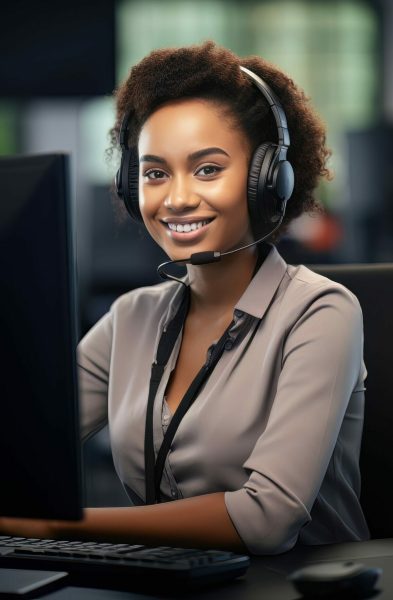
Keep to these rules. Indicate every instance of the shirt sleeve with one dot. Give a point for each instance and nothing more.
(93, 357)
(321, 361)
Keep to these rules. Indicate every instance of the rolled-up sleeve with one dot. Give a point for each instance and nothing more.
(93, 356)
(321, 361)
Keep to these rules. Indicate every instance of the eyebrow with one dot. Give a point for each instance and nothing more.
(190, 157)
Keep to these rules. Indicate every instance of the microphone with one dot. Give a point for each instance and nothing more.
(209, 256)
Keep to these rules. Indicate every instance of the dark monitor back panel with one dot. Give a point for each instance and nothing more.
(39, 440)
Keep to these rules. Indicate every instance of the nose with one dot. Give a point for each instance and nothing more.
(181, 196)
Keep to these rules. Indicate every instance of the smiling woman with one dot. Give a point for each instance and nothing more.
(234, 400)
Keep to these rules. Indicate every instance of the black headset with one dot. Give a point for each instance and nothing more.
(270, 177)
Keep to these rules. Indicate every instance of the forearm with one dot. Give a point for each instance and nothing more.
(202, 521)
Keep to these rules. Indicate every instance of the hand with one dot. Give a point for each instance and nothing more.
(28, 528)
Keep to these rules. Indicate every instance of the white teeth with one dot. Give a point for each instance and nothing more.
(186, 227)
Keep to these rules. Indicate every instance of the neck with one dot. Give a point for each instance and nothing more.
(217, 287)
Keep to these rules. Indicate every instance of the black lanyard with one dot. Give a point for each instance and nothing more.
(153, 468)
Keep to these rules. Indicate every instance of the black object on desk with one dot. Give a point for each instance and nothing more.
(343, 578)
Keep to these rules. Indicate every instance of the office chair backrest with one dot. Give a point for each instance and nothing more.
(373, 286)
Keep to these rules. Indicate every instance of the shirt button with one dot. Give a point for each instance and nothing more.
(228, 345)
(238, 313)
(166, 418)
(173, 493)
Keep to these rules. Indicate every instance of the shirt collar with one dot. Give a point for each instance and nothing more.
(260, 291)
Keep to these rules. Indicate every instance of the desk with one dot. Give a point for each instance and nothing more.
(266, 577)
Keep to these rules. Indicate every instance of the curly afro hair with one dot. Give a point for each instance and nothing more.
(209, 71)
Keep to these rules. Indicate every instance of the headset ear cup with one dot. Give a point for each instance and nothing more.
(130, 183)
(257, 178)
(133, 184)
(283, 182)
(267, 203)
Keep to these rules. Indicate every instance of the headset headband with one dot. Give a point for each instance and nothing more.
(275, 105)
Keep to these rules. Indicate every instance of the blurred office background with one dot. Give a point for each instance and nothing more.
(59, 63)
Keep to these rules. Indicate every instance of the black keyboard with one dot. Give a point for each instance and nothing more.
(123, 564)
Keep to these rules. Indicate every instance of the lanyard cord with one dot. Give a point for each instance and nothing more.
(183, 407)
(153, 468)
(165, 346)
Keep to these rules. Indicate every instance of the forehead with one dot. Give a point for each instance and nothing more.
(190, 122)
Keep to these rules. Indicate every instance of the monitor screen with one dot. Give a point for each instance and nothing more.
(39, 424)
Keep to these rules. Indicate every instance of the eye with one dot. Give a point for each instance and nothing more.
(154, 174)
(209, 170)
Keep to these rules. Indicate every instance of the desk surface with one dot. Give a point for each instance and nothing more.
(266, 577)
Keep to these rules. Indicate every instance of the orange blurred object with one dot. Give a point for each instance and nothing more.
(319, 233)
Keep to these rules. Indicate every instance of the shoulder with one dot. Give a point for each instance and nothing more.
(293, 288)
(131, 314)
(308, 286)
(298, 293)
(325, 306)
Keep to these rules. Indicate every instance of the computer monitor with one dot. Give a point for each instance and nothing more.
(40, 463)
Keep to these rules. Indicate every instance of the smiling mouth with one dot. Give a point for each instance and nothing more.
(187, 227)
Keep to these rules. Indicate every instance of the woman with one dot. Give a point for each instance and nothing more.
(267, 453)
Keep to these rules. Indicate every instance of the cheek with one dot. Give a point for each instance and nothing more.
(230, 188)
(237, 209)
(235, 196)
(151, 226)
(149, 200)
(148, 209)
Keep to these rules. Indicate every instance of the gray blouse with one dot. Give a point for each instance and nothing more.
(278, 424)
